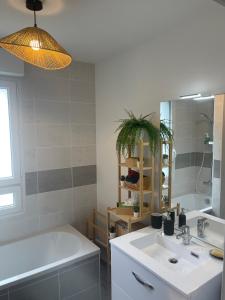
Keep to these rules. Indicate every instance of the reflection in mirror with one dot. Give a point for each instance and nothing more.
(192, 153)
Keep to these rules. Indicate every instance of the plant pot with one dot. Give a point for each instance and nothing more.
(165, 161)
(136, 214)
(112, 235)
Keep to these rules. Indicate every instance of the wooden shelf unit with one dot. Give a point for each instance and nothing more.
(147, 170)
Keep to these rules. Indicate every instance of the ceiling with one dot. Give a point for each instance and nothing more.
(94, 30)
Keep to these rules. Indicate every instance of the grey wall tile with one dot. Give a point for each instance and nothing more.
(83, 135)
(198, 159)
(33, 280)
(31, 183)
(59, 179)
(51, 158)
(79, 278)
(4, 294)
(208, 160)
(82, 91)
(92, 293)
(52, 88)
(53, 135)
(217, 169)
(53, 180)
(82, 113)
(84, 175)
(183, 160)
(47, 289)
(193, 159)
(51, 112)
(82, 72)
(83, 156)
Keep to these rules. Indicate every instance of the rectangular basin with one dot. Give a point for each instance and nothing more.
(170, 254)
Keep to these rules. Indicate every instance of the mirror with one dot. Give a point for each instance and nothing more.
(191, 165)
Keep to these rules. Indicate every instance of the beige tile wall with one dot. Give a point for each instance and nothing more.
(57, 125)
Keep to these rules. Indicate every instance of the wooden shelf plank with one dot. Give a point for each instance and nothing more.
(128, 218)
(133, 190)
(166, 166)
(135, 168)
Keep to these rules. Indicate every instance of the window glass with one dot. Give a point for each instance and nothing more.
(10, 178)
(6, 200)
(5, 148)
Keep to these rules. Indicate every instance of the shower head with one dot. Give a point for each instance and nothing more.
(205, 116)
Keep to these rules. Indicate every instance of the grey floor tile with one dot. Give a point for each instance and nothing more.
(105, 281)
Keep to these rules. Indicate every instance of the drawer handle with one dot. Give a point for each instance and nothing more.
(146, 284)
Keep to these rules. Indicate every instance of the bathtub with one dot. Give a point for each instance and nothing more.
(57, 259)
(192, 202)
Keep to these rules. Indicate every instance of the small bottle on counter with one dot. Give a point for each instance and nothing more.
(172, 214)
(168, 225)
(182, 218)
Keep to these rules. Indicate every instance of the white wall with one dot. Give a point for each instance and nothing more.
(10, 65)
(188, 59)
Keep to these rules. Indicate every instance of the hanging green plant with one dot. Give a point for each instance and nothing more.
(132, 130)
(166, 133)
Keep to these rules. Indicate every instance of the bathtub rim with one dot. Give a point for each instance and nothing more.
(206, 209)
(91, 251)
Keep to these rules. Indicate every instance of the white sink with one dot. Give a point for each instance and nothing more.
(152, 250)
(214, 231)
(171, 254)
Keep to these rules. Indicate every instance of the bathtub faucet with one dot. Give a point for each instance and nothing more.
(201, 226)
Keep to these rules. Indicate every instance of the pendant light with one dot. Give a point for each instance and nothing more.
(36, 46)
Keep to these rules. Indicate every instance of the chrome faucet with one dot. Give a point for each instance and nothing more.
(201, 226)
(185, 234)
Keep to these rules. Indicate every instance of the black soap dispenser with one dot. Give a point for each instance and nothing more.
(168, 225)
(182, 218)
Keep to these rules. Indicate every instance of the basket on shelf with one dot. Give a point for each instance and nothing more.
(136, 186)
(132, 162)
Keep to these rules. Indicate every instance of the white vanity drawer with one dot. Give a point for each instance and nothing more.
(137, 282)
(118, 293)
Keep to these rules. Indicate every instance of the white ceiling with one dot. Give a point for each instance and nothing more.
(93, 30)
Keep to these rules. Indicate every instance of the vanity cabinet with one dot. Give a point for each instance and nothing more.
(131, 281)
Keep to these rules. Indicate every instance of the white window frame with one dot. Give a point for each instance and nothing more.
(12, 184)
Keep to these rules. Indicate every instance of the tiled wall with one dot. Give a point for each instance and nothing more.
(62, 284)
(57, 122)
(189, 129)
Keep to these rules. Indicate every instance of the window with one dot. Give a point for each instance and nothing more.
(165, 112)
(10, 182)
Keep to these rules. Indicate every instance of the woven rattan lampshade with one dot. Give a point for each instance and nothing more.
(36, 46)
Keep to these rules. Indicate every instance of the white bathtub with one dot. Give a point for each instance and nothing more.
(192, 202)
(42, 253)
